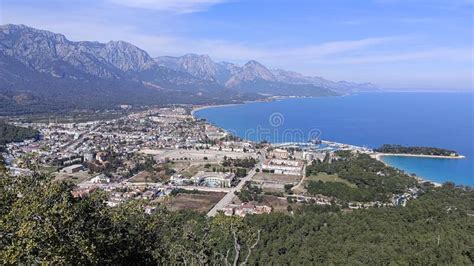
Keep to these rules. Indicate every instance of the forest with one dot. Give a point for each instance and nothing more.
(374, 180)
(41, 222)
(390, 148)
(11, 133)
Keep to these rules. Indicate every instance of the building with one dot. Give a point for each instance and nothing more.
(72, 169)
(285, 167)
(101, 157)
(100, 179)
(245, 208)
(88, 157)
(180, 180)
(212, 179)
(280, 154)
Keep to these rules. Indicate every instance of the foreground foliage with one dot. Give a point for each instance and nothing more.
(40, 222)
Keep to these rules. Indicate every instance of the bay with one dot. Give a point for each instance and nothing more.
(437, 119)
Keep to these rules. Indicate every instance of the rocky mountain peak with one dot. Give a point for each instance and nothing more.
(251, 71)
(126, 57)
(21, 31)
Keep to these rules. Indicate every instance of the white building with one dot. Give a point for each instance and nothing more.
(100, 179)
(285, 167)
(213, 179)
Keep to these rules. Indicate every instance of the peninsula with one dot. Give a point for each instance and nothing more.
(417, 151)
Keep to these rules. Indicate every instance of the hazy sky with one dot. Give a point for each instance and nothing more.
(411, 44)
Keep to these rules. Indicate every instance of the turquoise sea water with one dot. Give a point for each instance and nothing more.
(444, 120)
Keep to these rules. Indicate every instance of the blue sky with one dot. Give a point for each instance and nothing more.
(405, 44)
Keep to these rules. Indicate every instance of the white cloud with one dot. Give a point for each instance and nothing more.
(178, 6)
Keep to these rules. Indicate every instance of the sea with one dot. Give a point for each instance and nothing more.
(435, 119)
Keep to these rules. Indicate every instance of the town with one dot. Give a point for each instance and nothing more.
(167, 156)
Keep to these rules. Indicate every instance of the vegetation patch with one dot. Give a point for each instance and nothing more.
(399, 149)
(323, 177)
(374, 180)
(10, 133)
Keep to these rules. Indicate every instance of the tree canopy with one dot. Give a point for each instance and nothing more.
(41, 222)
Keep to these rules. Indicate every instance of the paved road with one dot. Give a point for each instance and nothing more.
(227, 199)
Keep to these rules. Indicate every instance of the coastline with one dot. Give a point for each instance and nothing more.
(377, 156)
(269, 99)
(198, 108)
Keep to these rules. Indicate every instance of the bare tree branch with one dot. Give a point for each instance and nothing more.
(236, 247)
(251, 248)
(227, 257)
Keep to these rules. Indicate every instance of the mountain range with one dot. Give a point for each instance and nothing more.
(41, 71)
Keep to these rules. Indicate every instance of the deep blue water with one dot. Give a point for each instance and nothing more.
(444, 120)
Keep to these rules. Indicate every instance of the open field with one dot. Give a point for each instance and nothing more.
(197, 155)
(276, 178)
(147, 177)
(328, 178)
(179, 166)
(278, 204)
(274, 182)
(193, 169)
(75, 178)
(197, 202)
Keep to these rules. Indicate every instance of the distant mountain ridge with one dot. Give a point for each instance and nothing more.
(233, 76)
(41, 71)
(44, 71)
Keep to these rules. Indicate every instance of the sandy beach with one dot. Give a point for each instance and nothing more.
(378, 156)
(195, 109)
(270, 99)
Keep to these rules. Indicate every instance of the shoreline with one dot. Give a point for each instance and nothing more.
(377, 156)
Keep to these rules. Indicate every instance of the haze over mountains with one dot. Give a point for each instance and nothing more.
(41, 71)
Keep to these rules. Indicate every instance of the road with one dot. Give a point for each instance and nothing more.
(80, 138)
(303, 176)
(227, 199)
